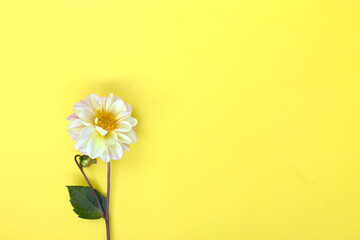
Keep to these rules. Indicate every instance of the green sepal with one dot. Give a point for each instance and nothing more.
(86, 161)
(84, 202)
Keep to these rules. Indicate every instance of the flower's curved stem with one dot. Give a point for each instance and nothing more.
(91, 187)
(107, 203)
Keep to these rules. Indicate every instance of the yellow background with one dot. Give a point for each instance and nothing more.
(249, 117)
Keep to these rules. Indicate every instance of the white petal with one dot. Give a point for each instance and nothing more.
(79, 106)
(83, 149)
(82, 106)
(105, 156)
(87, 132)
(128, 108)
(123, 138)
(74, 136)
(110, 138)
(132, 121)
(115, 98)
(132, 136)
(75, 126)
(125, 146)
(101, 102)
(102, 131)
(109, 102)
(122, 116)
(115, 151)
(87, 117)
(80, 143)
(95, 146)
(93, 101)
(72, 117)
(123, 127)
(117, 107)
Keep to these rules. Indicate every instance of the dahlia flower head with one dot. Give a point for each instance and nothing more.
(102, 127)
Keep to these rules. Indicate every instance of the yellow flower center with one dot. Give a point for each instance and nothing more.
(106, 121)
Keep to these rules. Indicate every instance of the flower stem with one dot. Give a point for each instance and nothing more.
(91, 187)
(107, 203)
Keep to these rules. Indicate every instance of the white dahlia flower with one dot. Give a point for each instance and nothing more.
(102, 127)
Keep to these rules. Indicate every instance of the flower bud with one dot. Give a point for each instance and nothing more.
(86, 161)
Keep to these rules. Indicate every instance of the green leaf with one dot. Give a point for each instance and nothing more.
(84, 202)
